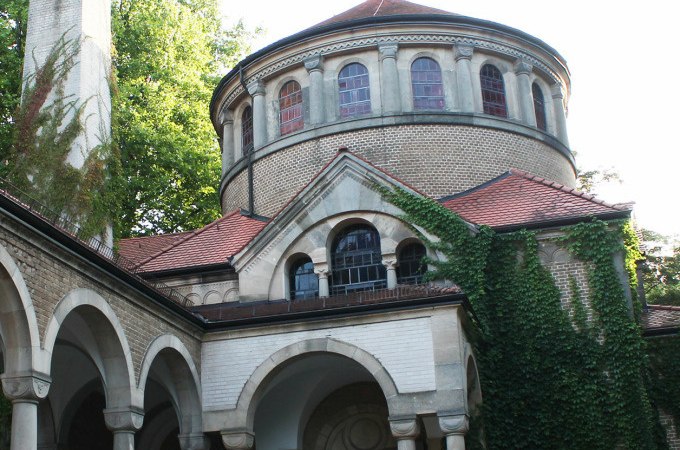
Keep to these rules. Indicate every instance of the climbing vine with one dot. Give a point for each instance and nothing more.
(551, 378)
(48, 126)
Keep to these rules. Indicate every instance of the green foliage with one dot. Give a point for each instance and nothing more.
(665, 374)
(662, 269)
(167, 52)
(5, 422)
(550, 379)
(13, 14)
(44, 135)
(588, 180)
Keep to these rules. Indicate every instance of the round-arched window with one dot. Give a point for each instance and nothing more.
(426, 83)
(539, 106)
(247, 130)
(357, 261)
(290, 108)
(411, 268)
(304, 283)
(354, 91)
(493, 91)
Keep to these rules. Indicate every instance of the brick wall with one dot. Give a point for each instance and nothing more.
(437, 159)
(671, 431)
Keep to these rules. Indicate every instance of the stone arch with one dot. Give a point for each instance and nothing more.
(112, 355)
(257, 382)
(183, 383)
(18, 323)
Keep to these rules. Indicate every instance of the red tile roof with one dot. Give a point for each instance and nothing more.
(372, 8)
(518, 198)
(213, 244)
(138, 249)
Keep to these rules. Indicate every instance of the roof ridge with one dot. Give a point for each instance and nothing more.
(152, 236)
(573, 191)
(190, 235)
(486, 184)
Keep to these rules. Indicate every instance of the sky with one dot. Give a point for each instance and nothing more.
(624, 109)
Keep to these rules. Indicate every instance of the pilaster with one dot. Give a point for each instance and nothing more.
(463, 55)
(257, 90)
(314, 66)
(523, 69)
(391, 97)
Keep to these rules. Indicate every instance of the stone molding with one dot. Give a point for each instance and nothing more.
(463, 51)
(256, 87)
(391, 262)
(367, 42)
(388, 50)
(313, 63)
(404, 428)
(30, 387)
(522, 67)
(238, 440)
(557, 91)
(454, 424)
(124, 419)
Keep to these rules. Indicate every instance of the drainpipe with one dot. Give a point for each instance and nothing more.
(249, 155)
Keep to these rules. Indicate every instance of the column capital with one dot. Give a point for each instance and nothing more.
(194, 441)
(28, 387)
(454, 424)
(124, 419)
(256, 88)
(237, 440)
(557, 91)
(321, 270)
(523, 67)
(405, 428)
(463, 51)
(226, 117)
(314, 63)
(390, 262)
(388, 50)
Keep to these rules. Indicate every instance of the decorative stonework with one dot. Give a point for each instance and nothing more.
(240, 440)
(404, 428)
(388, 50)
(314, 63)
(256, 87)
(455, 424)
(26, 387)
(463, 51)
(522, 67)
(123, 419)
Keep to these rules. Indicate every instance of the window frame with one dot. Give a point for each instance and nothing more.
(291, 102)
(247, 131)
(307, 272)
(354, 106)
(427, 102)
(494, 98)
(357, 269)
(539, 107)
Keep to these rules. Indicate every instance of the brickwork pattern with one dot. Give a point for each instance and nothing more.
(439, 160)
(672, 436)
(50, 273)
(562, 273)
(403, 347)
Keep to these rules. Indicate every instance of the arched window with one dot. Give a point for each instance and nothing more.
(426, 82)
(247, 130)
(290, 108)
(357, 261)
(411, 268)
(304, 283)
(493, 91)
(539, 106)
(355, 95)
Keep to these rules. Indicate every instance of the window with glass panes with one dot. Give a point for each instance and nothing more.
(411, 269)
(426, 83)
(357, 261)
(290, 108)
(304, 283)
(247, 130)
(354, 92)
(493, 91)
(539, 106)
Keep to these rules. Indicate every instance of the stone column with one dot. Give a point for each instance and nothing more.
(526, 101)
(227, 121)
(241, 440)
(463, 54)
(391, 97)
(257, 90)
(25, 392)
(322, 272)
(390, 263)
(123, 423)
(314, 66)
(405, 431)
(194, 441)
(560, 116)
(454, 428)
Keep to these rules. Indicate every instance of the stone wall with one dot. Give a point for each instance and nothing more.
(438, 160)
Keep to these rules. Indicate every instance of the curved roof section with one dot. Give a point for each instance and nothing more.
(380, 12)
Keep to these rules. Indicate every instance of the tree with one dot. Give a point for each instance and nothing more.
(662, 268)
(167, 55)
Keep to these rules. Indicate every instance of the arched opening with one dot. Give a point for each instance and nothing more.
(426, 83)
(247, 137)
(302, 280)
(493, 91)
(90, 372)
(539, 106)
(290, 108)
(411, 268)
(322, 401)
(354, 91)
(356, 261)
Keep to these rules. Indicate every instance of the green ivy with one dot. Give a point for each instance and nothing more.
(550, 379)
(48, 122)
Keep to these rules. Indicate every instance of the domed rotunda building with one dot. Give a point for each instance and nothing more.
(300, 319)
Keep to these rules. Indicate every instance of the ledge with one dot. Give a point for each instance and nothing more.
(410, 118)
